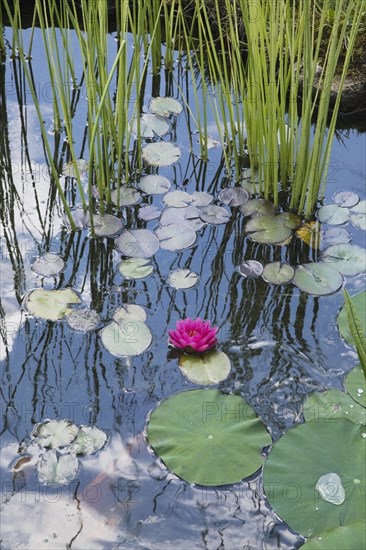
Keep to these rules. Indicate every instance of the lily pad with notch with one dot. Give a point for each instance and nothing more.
(48, 265)
(201, 198)
(135, 268)
(149, 125)
(106, 225)
(234, 196)
(182, 279)
(149, 212)
(257, 206)
(349, 259)
(189, 215)
(333, 214)
(317, 278)
(175, 236)
(154, 184)
(205, 368)
(51, 305)
(130, 312)
(177, 199)
(125, 196)
(165, 106)
(201, 423)
(278, 273)
(250, 268)
(138, 243)
(299, 459)
(214, 214)
(80, 216)
(126, 338)
(268, 229)
(346, 199)
(161, 153)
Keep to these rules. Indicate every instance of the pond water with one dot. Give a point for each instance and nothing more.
(282, 343)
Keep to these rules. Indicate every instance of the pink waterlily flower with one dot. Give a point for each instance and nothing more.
(193, 335)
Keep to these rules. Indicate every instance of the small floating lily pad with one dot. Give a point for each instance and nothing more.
(149, 212)
(336, 235)
(356, 385)
(48, 265)
(358, 215)
(319, 278)
(153, 184)
(106, 225)
(150, 125)
(126, 338)
(138, 243)
(201, 198)
(175, 236)
(125, 196)
(234, 196)
(71, 168)
(182, 279)
(359, 304)
(257, 206)
(161, 153)
(250, 268)
(54, 434)
(331, 405)
(51, 304)
(333, 214)
(189, 215)
(88, 440)
(135, 268)
(268, 229)
(165, 106)
(177, 199)
(351, 536)
(55, 469)
(214, 214)
(346, 198)
(222, 429)
(278, 273)
(349, 259)
(83, 319)
(80, 216)
(295, 464)
(130, 312)
(205, 368)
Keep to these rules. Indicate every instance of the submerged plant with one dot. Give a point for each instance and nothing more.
(193, 335)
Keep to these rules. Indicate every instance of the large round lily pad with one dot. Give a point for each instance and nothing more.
(319, 278)
(359, 304)
(350, 536)
(51, 304)
(300, 458)
(349, 259)
(268, 229)
(138, 243)
(188, 216)
(126, 338)
(154, 184)
(208, 438)
(205, 368)
(177, 199)
(175, 236)
(161, 153)
(330, 405)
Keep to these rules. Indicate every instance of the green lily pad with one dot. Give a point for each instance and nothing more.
(149, 212)
(125, 196)
(319, 278)
(234, 196)
(250, 268)
(106, 225)
(268, 229)
(331, 405)
(161, 153)
(135, 268)
(88, 441)
(359, 303)
(214, 214)
(208, 438)
(175, 236)
(165, 106)
(291, 220)
(54, 434)
(48, 265)
(349, 259)
(205, 368)
(182, 279)
(358, 215)
(346, 198)
(153, 184)
(177, 199)
(201, 198)
(150, 125)
(333, 214)
(51, 304)
(257, 206)
(54, 469)
(130, 312)
(126, 338)
(300, 458)
(356, 385)
(351, 536)
(138, 243)
(278, 273)
(83, 319)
